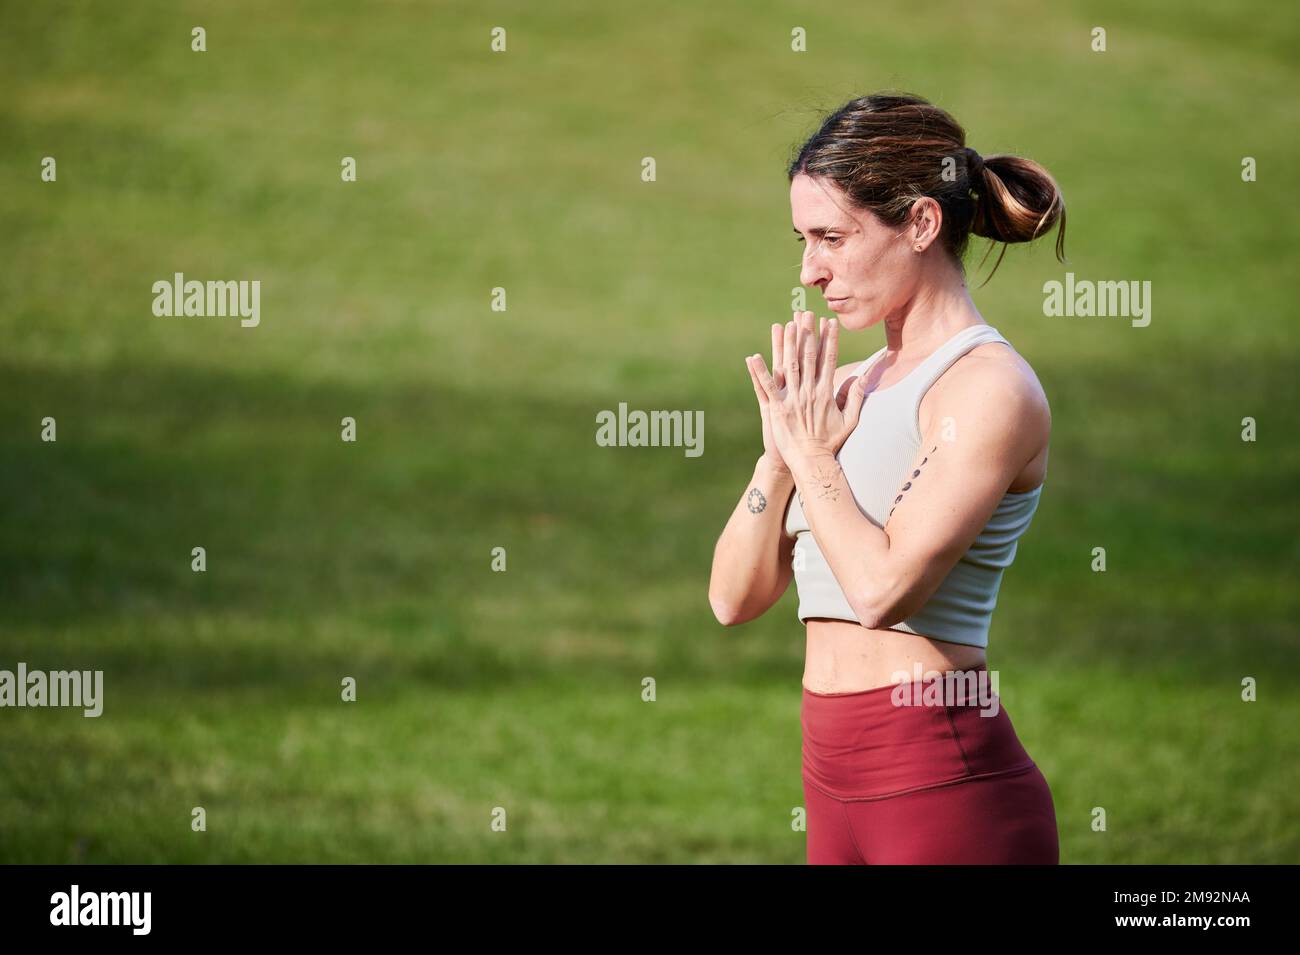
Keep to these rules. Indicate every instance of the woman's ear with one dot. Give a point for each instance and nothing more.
(926, 222)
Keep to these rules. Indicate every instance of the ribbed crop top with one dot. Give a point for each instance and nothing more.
(876, 459)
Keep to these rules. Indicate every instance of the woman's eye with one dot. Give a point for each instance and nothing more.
(831, 240)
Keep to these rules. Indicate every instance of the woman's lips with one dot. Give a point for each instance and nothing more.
(832, 303)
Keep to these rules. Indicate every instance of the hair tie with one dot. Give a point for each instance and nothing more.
(974, 161)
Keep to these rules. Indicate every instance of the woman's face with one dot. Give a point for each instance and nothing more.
(866, 269)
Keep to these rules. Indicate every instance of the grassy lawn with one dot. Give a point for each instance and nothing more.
(475, 427)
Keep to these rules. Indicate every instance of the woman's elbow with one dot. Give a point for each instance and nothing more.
(866, 614)
(728, 613)
(722, 610)
(874, 611)
(731, 611)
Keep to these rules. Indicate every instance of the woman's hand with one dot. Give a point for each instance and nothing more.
(805, 419)
(770, 450)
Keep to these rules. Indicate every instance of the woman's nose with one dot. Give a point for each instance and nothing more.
(812, 271)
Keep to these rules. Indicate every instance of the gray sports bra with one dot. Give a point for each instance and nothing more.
(877, 459)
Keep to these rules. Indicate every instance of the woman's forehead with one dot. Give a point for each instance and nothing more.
(815, 206)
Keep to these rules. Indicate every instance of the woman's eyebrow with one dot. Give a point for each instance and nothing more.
(821, 230)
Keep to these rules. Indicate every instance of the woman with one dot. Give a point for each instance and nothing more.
(895, 492)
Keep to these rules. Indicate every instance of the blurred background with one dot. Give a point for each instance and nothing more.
(476, 428)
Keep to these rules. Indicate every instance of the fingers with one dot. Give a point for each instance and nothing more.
(846, 388)
(778, 343)
(759, 391)
(830, 353)
(804, 356)
(762, 378)
(808, 351)
(853, 404)
(790, 355)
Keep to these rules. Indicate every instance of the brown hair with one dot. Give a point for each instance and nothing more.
(887, 150)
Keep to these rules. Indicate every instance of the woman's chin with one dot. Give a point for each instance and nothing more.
(850, 317)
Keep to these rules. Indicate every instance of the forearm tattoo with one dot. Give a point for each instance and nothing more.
(915, 474)
(756, 502)
(827, 479)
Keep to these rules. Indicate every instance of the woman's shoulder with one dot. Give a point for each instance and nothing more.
(1000, 362)
(994, 371)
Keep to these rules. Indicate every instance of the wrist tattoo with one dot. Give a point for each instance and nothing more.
(827, 479)
(755, 501)
(916, 473)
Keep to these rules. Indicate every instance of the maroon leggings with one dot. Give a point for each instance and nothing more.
(941, 783)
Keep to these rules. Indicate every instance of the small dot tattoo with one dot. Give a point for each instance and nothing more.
(756, 502)
(915, 474)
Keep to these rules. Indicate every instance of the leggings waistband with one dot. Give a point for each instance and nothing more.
(895, 739)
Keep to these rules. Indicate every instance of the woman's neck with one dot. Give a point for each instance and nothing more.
(939, 310)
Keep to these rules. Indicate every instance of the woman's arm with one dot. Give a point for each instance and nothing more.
(942, 506)
(752, 559)
(986, 428)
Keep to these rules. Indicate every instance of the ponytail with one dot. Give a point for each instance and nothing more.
(1016, 200)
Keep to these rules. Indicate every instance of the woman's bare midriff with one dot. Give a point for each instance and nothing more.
(846, 657)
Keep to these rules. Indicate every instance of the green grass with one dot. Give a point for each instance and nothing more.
(522, 690)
